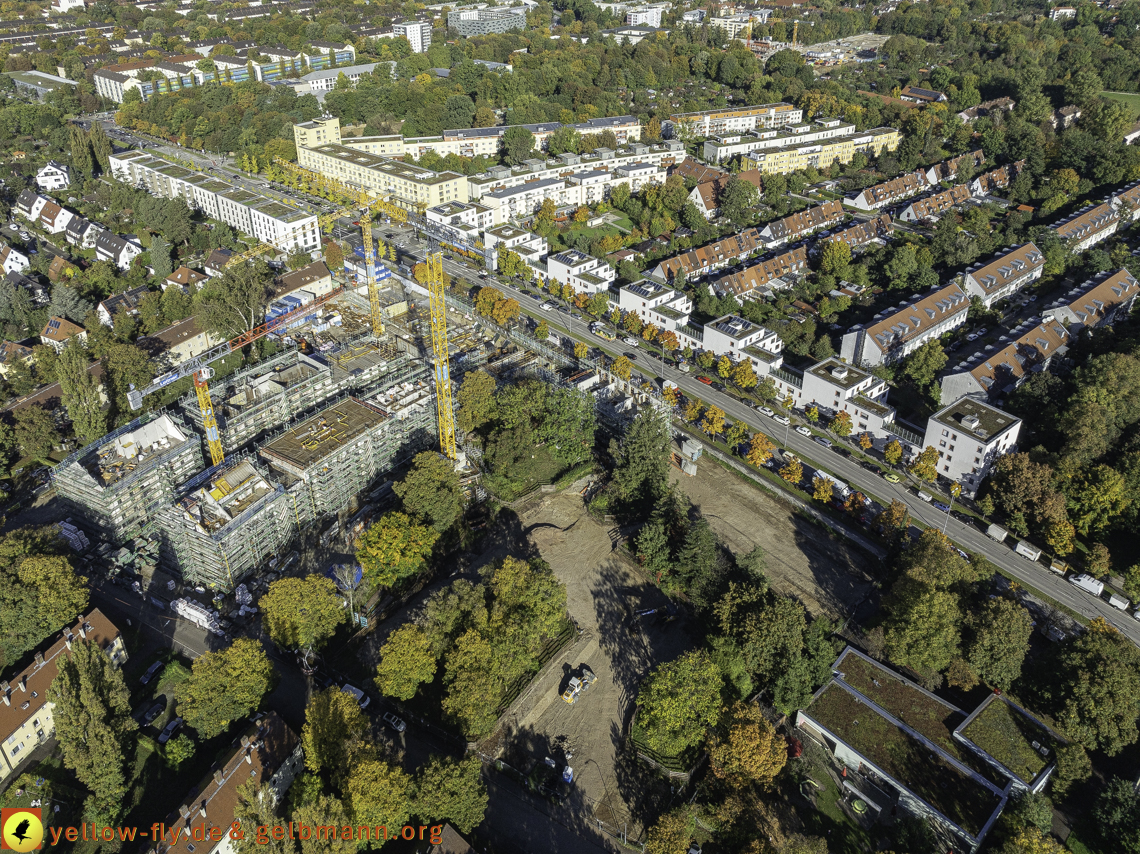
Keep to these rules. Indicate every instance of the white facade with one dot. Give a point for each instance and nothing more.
(12, 261)
(737, 120)
(418, 34)
(1089, 226)
(518, 202)
(892, 336)
(584, 273)
(54, 176)
(644, 17)
(1007, 274)
(969, 436)
(654, 303)
(720, 149)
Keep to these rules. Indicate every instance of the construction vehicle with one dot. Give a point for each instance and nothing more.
(579, 686)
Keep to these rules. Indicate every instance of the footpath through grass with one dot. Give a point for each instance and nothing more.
(1130, 98)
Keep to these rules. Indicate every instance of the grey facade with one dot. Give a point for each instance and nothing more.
(483, 22)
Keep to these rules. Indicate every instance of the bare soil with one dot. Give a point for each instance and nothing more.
(825, 573)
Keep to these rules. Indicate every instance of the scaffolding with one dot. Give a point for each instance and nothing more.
(113, 483)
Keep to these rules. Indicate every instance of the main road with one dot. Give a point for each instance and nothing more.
(968, 537)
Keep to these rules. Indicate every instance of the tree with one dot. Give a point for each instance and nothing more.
(1031, 840)
(518, 143)
(100, 146)
(302, 613)
(1098, 562)
(324, 811)
(743, 376)
(430, 490)
(835, 258)
(761, 450)
(925, 465)
(245, 671)
(724, 367)
(178, 750)
(124, 366)
(475, 401)
(473, 689)
(823, 488)
(542, 332)
(66, 302)
(892, 453)
(505, 311)
(841, 424)
(739, 200)
(580, 350)
(713, 423)
(160, 257)
(641, 465)
(1096, 497)
(452, 790)
(922, 365)
(336, 733)
(812, 413)
(394, 548)
(1096, 688)
(93, 724)
(679, 702)
(924, 634)
(1001, 640)
(1073, 766)
(81, 157)
(35, 432)
(622, 367)
(671, 834)
(406, 662)
(80, 394)
(737, 434)
(234, 302)
(792, 472)
(1116, 816)
(747, 750)
(256, 807)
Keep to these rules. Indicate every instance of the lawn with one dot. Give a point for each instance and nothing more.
(571, 234)
(1130, 98)
(828, 819)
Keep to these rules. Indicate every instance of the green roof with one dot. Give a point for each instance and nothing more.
(1007, 733)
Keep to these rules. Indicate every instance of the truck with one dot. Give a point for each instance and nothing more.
(1027, 549)
(997, 532)
(839, 489)
(1118, 602)
(198, 614)
(1088, 584)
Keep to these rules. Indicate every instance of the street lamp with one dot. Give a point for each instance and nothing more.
(955, 491)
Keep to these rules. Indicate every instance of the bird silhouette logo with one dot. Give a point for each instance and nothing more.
(23, 829)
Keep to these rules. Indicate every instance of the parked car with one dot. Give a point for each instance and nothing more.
(704, 380)
(822, 441)
(154, 711)
(843, 452)
(361, 699)
(151, 672)
(782, 419)
(803, 431)
(766, 411)
(394, 722)
(169, 730)
(945, 508)
(891, 477)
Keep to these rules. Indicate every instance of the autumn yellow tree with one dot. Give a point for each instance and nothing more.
(649, 333)
(713, 422)
(761, 449)
(622, 367)
(672, 395)
(792, 472)
(894, 517)
(693, 410)
(893, 452)
(743, 376)
(747, 750)
(865, 441)
(822, 489)
(925, 465)
(580, 350)
(724, 367)
(841, 424)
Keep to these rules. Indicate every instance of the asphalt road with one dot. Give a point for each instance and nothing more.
(967, 537)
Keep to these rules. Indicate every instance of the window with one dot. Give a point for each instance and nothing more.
(977, 459)
(942, 443)
(951, 447)
(954, 437)
(945, 432)
(946, 468)
(17, 749)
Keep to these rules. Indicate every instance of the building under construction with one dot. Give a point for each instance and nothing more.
(222, 529)
(115, 484)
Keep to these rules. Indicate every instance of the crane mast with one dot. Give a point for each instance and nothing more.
(440, 349)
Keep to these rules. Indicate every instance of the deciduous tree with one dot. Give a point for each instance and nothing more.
(792, 472)
(892, 453)
(679, 702)
(713, 422)
(452, 790)
(925, 465)
(336, 733)
(79, 393)
(234, 302)
(1097, 689)
(761, 449)
(302, 613)
(747, 750)
(245, 671)
(325, 811)
(430, 490)
(822, 489)
(406, 662)
(476, 400)
(394, 548)
(622, 367)
(1001, 631)
(841, 424)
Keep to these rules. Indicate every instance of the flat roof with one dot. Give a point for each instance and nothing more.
(1013, 737)
(324, 433)
(991, 420)
(848, 377)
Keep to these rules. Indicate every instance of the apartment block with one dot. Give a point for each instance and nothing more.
(645, 16)
(723, 148)
(113, 483)
(410, 186)
(584, 273)
(27, 717)
(316, 132)
(802, 223)
(1089, 226)
(823, 154)
(933, 207)
(655, 303)
(760, 279)
(714, 122)
(1101, 301)
(269, 221)
(996, 179)
(1015, 269)
(522, 201)
(737, 338)
(862, 233)
(895, 334)
(483, 22)
(1127, 202)
(739, 25)
(418, 34)
(889, 192)
(994, 375)
(969, 436)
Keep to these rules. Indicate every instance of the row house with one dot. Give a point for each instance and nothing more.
(706, 196)
(948, 170)
(1100, 301)
(892, 336)
(996, 179)
(1127, 201)
(995, 375)
(120, 251)
(54, 218)
(584, 273)
(12, 260)
(759, 279)
(702, 173)
(932, 207)
(1088, 226)
(998, 105)
(862, 233)
(889, 192)
(702, 260)
(1006, 274)
(800, 224)
(82, 233)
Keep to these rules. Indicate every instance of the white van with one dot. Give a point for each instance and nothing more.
(1088, 584)
(925, 496)
(1117, 602)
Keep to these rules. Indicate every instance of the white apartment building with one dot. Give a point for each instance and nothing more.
(531, 247)
(325, 81)
(737, 338)
(410, 186)
(1127, 202)
(54, 176)
(644, 16)
(12, 260)
(418, 34)
(1089, 226)
(269, 221)
(893, 335)
(739, 26)
(1006, 274)
(1100, 301)
(655, 303)
(584, 273)
(969, 436)
(734, 120)
(721, 149)
(834, 387)
(521, 202)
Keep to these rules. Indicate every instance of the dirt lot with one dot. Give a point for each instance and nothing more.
(826, 574)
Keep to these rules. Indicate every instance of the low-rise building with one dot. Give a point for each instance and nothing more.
(948, 170)
(54, 218)
(27, 718)
(969, 436)
(60, 330)
(889, 192)
(524, 200)
(655, 303)
(12, 260)
(584, 273)
(986, 108)
(1101, 301)
(703, 260)
(706, 196)
(994, 375)
(10, 353)
(1127, 202)
(757, 280)
(178, 342)
(216, 263)
(996, 179)
(315, 279)
(1062, 13)
(1006, 274)
(798, 225)
(82, 233)
(916, 95)
(118, 250)
(1089, 226)
(29, 204)
(186, 279)
(862, 233)
(933, 207)
(127, 301)
(53, 177)
(893, 335)
(741, 339)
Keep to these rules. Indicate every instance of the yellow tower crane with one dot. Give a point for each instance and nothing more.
(439, 347)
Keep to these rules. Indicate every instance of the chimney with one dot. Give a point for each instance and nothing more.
(40, 659)
(249, 756)
(83, 630)
(185, 811)
(219, 777)
(245, 741)
(24, 684)
(202, 811)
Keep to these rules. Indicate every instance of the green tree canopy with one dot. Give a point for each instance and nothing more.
(302, 613)
(430, 490)
(394, 548)
(406, 662)
(245, 671)
(451, 790)
(679, 702)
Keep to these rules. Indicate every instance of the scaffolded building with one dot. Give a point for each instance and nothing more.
(340, 451)
(227, 523)
(114, 484)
